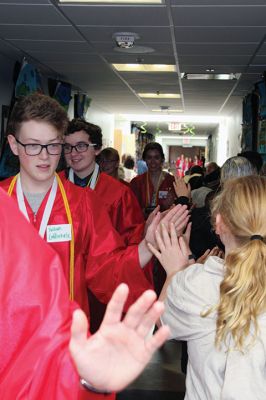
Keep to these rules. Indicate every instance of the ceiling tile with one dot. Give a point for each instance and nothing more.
(39, 32)
(28, 14)
(113, 15)
(219, 16)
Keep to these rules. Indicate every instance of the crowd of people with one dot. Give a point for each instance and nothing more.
(183, 164)
(197, 238)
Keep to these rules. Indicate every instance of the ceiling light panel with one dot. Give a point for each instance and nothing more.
(160, 95)
(144, 67)
(224, 77)
(167, 111)
(113, 1)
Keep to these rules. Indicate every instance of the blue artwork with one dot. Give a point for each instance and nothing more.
(28, 81)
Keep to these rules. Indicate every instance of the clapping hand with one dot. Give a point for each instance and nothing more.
(177, 215)
(214, 252)
(173, 251)
(118, 352)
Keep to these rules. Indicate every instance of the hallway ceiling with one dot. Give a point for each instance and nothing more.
(74, 42)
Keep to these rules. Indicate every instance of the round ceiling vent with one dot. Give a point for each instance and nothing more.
(134, 49)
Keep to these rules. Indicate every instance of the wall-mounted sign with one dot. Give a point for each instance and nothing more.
(174, 126)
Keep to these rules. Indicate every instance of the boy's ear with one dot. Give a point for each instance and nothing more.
(97, 151)
(13, 144)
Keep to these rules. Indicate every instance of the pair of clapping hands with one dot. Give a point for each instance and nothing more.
(171, 247)
(118, 352)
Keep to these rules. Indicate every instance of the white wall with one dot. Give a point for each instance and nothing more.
(229, 134)
(128, 139)
(106, 121)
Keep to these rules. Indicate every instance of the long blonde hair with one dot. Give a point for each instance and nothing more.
(242, 205)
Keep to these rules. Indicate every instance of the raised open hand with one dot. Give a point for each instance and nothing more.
(178, 215)
(118, 352)
(181, 189)
(173, 250)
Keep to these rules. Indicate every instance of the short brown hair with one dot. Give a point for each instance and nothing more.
(38, 107)
(93, 131)
(153, 146)
(108, 153)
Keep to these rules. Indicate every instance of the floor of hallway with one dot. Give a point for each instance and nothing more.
(162, 379)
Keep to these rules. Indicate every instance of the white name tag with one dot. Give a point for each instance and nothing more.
(58, 233)
(163, 194)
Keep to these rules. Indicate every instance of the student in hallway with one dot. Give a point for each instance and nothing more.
(219, 307)
(109, 162)
(36, 361)
(154, 187)
(71, 219)
(83, 143)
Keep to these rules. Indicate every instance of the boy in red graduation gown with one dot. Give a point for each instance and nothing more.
(83, 143)
(71, 219)
(35, 319)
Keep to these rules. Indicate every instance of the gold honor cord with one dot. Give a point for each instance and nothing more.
(12, 184)
(156, 190)
(69, 219)
(72, 242)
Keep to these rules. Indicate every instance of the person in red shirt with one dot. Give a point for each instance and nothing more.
(40, 357)
(154, 187)
(180, 166)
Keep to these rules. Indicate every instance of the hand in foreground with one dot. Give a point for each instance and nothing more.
(115, 355)
(173, 251)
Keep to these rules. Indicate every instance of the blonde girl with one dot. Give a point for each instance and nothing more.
(219, 307)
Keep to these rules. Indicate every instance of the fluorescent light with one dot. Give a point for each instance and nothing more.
(160, 95)
(198, 119)
(223, 77)
(167, 111)
(145, 67)
(113, 1)
(177, 136)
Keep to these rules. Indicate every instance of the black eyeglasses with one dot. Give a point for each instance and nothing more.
(34, 149)
(79, 147)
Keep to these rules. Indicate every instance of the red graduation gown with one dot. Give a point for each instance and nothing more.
(101, 259)
(35, 316)
(126, 217)
(139, 187)
(122, 207)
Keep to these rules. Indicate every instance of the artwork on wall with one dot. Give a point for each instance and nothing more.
(81, 105)
(28, 80)
(60, 91)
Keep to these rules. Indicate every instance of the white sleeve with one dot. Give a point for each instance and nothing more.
(191, 292)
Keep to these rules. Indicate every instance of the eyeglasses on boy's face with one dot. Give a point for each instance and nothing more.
(80, 147)
(34, 149)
